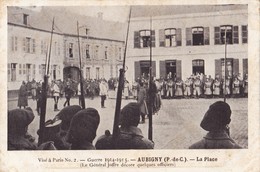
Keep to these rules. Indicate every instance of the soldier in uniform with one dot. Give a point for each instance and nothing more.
(216, 121)
(187, 88)
(141, 100)
(236, 87)
(170, 89)
(130, 136)
(68, 94)
(56, 95)
(207, 88)
(103, 92)
(135, 88)
(126, 89)
(226, 87)
(38, 97)
(179, 88)
(216, 88)
(23, 96)
(83, 128)
(197, 87)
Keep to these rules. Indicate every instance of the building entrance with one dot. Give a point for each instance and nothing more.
(170, 68)
(198, 66)
(72, 73)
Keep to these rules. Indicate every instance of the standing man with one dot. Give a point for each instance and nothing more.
(68, 94)
(22, 96)
(56, 94)
(103, 92)
(141, 100)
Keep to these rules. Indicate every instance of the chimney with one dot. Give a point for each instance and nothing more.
(100, 15)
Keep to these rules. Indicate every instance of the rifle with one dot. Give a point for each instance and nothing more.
(120, 89)
(44, 92)
(150, 115)
(82, 98)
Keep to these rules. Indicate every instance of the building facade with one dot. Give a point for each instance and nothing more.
(29, 34)
(189, 42)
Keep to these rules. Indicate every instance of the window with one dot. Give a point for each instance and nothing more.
(9, 72)
(14, 43)
(58, 48)
(20, 69)
(88, 73)
(96, 52)
(244, 34)
(43, 47)
(170, 38)
(24, 69)
(25, 19)
(106, 52)
(12, 72)
(119, 54)
(29, 45)
(229, 67)
(197, 36)
(197, 66)
(87, 52)
(97, 73)
(71, 50)
(228, 33)
(144, 38)
(55, 48)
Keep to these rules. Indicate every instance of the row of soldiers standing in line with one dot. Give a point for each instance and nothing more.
(197, 86)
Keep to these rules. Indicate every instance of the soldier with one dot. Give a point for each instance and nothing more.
(141, 100)
(216, 88)
(126, 89)
(216, 121)
(169, 88)
(83, 128)
(236, 87)
(130, 136)
(207, 88)
(18, 137)
(56, 95)
(179, 88)
(68, 94)
(23, 96)
(226, 87)
(197, 87)
(59, 136)
(187, 88)
(103, 92)
(135, 88)
(38, 97)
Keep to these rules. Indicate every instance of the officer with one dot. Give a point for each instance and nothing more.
(216, 121)
(130, 136)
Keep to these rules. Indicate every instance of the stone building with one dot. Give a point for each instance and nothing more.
(29, 34)
(187, 40)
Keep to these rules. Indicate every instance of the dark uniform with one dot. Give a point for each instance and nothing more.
(215, 121)
(130, 136)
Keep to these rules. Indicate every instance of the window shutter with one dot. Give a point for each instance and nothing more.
(235, 66)
(244, 34)
(137, 69)
(245, 67)
(178, 69)
(136, 39)
(153, 38)
(178, 37)
(188, 36)
(217, 35)
(33, 45)
(153, 68)
(235, 35)
(24, 45)
(206, 35)
(218, 68)
(162, 69)
(161, 37)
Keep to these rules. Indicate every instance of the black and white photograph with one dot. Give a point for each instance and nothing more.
(131, 77)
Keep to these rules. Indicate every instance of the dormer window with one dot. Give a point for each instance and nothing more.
(25, 19)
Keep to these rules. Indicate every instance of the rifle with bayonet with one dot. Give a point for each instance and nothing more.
(120, 89)
(44, 92)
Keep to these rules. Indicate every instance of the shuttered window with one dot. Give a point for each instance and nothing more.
(217, 35)
(178, 36)
(137, 70)
(235, 35)
(162, 69)
(178, 69)
(161, 38)
(136, 39)
(206, 36)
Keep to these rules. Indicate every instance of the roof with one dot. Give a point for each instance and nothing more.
(66, 22)
(165, 10)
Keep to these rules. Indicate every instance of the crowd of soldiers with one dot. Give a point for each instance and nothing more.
(198, 86)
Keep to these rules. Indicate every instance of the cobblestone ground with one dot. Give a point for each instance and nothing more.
(176, 126)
